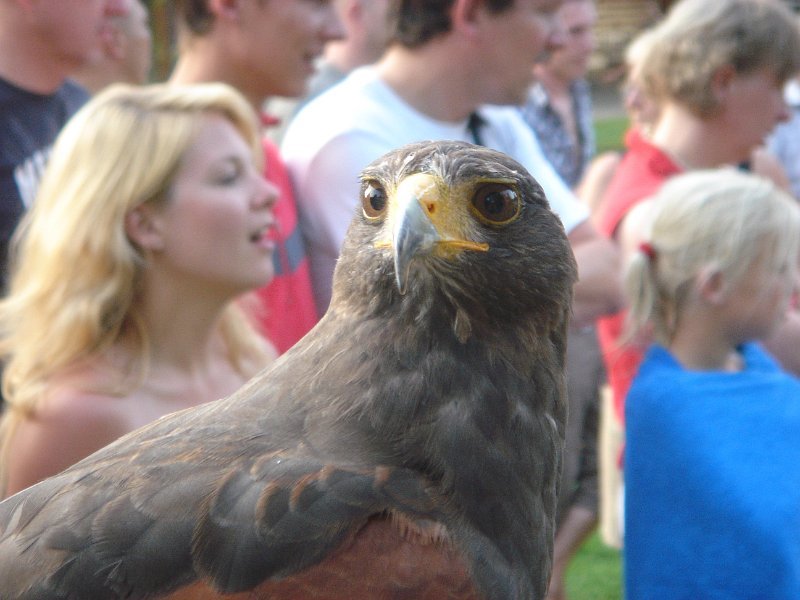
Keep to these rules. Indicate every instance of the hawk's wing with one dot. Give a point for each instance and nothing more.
(150, 514)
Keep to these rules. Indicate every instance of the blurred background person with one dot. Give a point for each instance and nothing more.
(41, 45)
(366, 26)
(642, 112)
(151, 221)
(559, 111)
(264, 48)
(559, 104)
(127, 52)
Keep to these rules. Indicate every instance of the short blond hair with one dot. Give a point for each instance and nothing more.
(724, 219)
(698, 37)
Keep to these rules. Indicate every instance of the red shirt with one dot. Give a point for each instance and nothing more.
(639, 175)
(289, 309)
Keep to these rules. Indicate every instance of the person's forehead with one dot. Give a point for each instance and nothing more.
(546, 6)
(578, 11)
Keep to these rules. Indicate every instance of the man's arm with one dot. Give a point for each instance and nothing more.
(573, 531)
(598, 291)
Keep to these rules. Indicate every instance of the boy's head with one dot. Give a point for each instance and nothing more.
(264, 47)
(491, 44)
(418, 21)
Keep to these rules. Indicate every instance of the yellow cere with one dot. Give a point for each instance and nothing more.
(450, 217)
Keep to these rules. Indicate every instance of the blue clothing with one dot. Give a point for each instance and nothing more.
(568, 158)
(712, 481)
(29, 123)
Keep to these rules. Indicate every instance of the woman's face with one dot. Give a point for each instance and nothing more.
(642, 110)
(753, 104)
(214, 226)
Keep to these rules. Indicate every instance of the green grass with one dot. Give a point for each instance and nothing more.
(595, 573)
(609, 133)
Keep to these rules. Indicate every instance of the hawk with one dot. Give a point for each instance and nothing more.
(408, 447)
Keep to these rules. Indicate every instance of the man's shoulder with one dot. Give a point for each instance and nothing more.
(73, 95)
(70, 96)
(507, 132)
(362, 117)
(506, 128)
(350, 104)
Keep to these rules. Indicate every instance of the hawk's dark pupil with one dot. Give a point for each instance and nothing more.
(494, 203)
(377, 199)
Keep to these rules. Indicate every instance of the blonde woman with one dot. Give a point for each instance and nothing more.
(151, 220)
(712, 494)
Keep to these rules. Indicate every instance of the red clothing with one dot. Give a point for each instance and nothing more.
(643, 169)
(289, 310)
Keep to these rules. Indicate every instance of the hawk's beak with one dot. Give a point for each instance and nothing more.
(414, 233)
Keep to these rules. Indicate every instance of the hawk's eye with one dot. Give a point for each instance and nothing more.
(496, 203)
(373, 199)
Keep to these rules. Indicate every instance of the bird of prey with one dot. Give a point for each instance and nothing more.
(408, 447)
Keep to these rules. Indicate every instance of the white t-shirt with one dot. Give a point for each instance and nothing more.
(335, 136)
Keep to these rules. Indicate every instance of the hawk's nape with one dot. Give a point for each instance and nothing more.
(408, 446)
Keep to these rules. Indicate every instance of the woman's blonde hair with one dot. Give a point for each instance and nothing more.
(723, 220)
(698, 37)
(75, 273)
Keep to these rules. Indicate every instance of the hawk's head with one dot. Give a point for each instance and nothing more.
(449, 228)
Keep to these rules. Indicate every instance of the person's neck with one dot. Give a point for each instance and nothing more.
(181, 332)
(201, 63)
(700, 344)
(556, 87)
(344, 56)
(691, 142)
(99, 76)
(429, 85)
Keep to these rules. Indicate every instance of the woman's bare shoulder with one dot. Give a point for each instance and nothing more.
(70, 423)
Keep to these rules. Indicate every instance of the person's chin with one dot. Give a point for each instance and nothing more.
(265, 275)
(293, 89)
(517, 97)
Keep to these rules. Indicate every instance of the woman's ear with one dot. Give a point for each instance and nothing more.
(225, 9)
(722, 81)
(143, 227)
(464, 15)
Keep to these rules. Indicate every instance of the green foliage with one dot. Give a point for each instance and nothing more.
(595, 573)
(609, 133)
